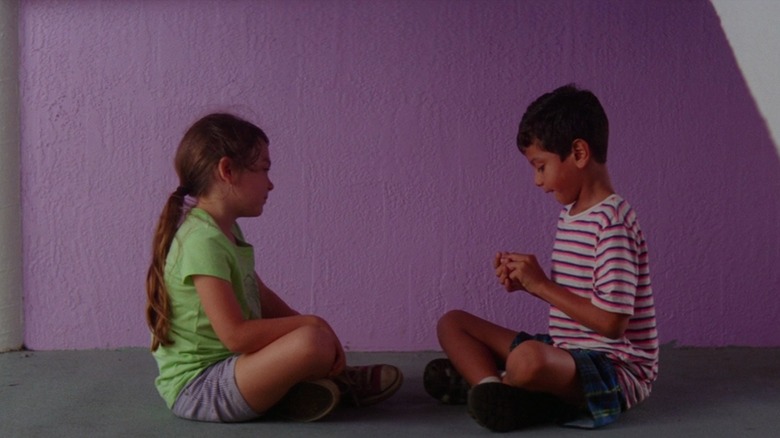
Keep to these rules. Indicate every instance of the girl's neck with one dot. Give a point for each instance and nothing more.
(221, 216)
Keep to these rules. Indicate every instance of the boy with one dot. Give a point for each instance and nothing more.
(601, 353)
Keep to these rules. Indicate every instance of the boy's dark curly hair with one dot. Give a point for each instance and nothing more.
(558, 118)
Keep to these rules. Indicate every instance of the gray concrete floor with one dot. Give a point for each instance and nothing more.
(731, 392)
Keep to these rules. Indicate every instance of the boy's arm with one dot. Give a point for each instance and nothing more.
(524, 272)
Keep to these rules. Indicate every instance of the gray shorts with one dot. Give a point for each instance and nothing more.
(214, 396)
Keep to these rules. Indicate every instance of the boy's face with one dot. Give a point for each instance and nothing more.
(551, 174)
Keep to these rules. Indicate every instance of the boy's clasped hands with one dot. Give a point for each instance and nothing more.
(519, 272)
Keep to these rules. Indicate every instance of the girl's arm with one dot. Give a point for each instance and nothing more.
(525, 273)
(271, 304)
(273, 307)
(240, 335)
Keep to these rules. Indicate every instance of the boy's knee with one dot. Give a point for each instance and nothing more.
(526, 364)
(452, 320)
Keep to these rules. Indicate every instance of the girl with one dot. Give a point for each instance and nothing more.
(227, 347)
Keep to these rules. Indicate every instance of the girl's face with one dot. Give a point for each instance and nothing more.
(553, 175)
(253, 185)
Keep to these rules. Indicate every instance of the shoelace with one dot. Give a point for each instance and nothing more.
(356, 382)
(349, 386)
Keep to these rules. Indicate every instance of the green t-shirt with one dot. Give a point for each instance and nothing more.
(200, 248)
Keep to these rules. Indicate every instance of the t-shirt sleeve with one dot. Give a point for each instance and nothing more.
(616, 271)
(204, 256)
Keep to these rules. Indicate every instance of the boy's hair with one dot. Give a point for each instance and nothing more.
(556, 119)
(205, 143)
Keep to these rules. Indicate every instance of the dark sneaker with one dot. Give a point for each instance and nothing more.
(308, 401)
(501, 408)
(369, 384)
(444, 383)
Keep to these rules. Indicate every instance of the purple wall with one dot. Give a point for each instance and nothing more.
(392, 129)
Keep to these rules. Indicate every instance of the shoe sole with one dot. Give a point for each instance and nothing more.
(502, 408)
(308, 401)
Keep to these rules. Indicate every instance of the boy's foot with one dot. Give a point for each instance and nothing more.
(501, 408)
(308, 401)
(369, 384)
(444, 383)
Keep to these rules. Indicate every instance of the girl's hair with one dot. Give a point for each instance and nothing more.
(204, 144)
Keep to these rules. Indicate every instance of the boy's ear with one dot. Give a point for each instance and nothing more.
(580, 149)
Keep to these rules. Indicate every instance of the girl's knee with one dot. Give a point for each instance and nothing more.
(315, 344)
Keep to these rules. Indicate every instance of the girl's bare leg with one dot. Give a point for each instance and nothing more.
(265, 376)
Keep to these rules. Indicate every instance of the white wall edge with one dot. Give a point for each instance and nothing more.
(11, 292)
(751, 27)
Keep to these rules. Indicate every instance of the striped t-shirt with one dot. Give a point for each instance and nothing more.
(601, 254)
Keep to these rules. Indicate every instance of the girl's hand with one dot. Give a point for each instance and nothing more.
(524, 272)
(341, 360)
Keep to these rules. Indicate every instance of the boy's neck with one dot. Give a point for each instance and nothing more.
(596, 187)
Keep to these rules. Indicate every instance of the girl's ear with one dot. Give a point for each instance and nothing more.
(580, 149)
(225, 170)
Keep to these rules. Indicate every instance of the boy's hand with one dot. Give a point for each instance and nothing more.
(502, 272)
(522, 271)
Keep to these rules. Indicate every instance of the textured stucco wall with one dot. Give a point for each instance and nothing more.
(392, 126)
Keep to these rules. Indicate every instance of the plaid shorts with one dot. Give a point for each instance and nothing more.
(603, 395)
(213, 396)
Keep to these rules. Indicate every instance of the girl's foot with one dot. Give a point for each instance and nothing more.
(369, 384)
(308, 401)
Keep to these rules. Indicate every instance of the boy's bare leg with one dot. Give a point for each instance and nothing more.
(539, 367)
(473, 344)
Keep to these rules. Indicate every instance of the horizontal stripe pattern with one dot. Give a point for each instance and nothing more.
(601, 255)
